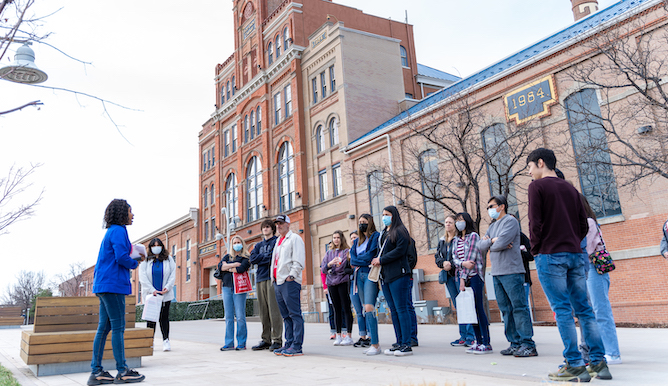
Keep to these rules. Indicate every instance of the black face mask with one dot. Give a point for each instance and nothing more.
(363, 227)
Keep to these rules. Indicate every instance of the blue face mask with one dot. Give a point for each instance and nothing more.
(493, 213)
(237, 247)
(387, 220)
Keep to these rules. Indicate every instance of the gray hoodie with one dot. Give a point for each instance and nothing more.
(505, 261)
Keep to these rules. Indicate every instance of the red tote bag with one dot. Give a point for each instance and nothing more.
(242, 283)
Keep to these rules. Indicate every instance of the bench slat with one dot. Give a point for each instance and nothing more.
(129, 323)
(11, 321)
(38, 338)
(81, 356)
(41, 349)
(76, 301)
(77, 310)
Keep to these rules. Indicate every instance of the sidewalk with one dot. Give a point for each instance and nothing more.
(195, 359)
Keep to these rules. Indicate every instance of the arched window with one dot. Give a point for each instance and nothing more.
(213, 195)
(258, 113)
(231, 195)
(404, 56)
(597, 179)
(286, 177)
(320, 139)
(278, 46)
(333, 132)
(252, 124)
(246, 129)
(254, 188)
(270, 53)
(431, 193)
(227, 90)
(286, 38)
(206, 195)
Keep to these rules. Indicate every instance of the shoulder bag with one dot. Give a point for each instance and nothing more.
(601, 259)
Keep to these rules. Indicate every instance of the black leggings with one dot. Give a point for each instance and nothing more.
(164, 321)
(340, 295)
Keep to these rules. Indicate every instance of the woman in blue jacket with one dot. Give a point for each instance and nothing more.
(364, 249)
(111, 284)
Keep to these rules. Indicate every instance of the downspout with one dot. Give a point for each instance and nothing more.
(347, 151)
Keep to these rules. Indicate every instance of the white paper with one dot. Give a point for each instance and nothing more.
(137, 251)
(152, 305)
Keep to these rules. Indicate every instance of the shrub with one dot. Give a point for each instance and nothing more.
(177, 310)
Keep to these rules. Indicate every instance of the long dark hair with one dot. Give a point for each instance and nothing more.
(344, 244)
(588, 210)
(116, 213)
(370, 229)
(162, 256)
(470, 226)
(397, 227)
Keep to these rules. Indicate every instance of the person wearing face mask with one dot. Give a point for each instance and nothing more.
(363, 250)
(470, 270)
(335, 266)
(395, 273)
(443, 259)
(502, 240)
(234, 304)
(157, 276)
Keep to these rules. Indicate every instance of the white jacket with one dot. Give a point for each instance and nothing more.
(291, 256)
(168, 278)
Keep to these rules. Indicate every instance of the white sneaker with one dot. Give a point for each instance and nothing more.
(472, 349)
(613, 359)
(347, 341)
(373, 351)
(166, 346)
(337, 341)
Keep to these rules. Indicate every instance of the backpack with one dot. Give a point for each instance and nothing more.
(412, 254)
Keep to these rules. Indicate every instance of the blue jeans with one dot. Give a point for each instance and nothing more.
(511, 298)
(359, 311)
(411, 311)
(112, 318)
(235, 305)
(562, 277)
(465, 330)
(398, 299)
(368, 292)
(288, 296)
(598, 287)
(481, 329)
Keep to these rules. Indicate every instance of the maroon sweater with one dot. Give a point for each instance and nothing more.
(557, 219)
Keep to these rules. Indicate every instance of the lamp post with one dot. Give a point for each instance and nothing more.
(230, 225)
(23, 69)
(82, 285)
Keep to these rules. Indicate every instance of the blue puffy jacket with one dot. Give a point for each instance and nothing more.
(112, 270)
(364, 259)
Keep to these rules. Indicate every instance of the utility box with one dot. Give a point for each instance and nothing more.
(440, 313)
(424, 309)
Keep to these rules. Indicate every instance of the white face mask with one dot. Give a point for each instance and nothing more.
(156, 250)
(461, 225)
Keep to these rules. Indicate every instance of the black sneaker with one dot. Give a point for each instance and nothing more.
(414, 343)
(366, 342)
(359, 343)
(128, 376)
(100, 378)
(275, 346)
(525, 351)
(510, 350)
(261, 346)
(599, 370)
(403, 351)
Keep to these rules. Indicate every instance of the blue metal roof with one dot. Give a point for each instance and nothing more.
(576, 29)
(434, 73)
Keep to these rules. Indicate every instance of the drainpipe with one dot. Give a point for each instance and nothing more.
(348, 150)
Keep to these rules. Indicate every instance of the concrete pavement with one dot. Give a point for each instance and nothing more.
(196, 359)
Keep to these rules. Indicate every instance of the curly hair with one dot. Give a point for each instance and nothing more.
(162, 256)
(116, 213)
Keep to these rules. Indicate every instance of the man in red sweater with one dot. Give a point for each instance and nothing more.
(558, 224)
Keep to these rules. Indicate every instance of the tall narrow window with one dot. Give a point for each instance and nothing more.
(258, 113)
(227, 90)
(286, 177)
(174, 251)
(188, 251)
(222, 95)
(337, 180)
(320, 139)
(208, 159)
(246, 129)
(203, 162)
(213, 226)
(286, 38)
(234, 138)
(234, 86)
(206, 195)
(404, 56)
(252, 124)
(376, 195)
(226, 139)
(278, 46)
(212, 193)
(213, 155)
(277, 108)
(322, 181)
(332, 80)
(323, 84)
(597, 179)
(254, 188)
(231, 195)
(288, 100)
(270, 53)
(206, 230)
(431, 193)
(499, 170)
(314, 87)
(333, 132)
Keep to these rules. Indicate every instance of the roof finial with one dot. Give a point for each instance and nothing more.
(583, 8)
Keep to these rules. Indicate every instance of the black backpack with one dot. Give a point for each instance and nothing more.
(412, 254)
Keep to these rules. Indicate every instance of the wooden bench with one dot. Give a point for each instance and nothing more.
(62, 339)
(11, 316)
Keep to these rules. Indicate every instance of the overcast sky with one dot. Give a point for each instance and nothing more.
(158, 58)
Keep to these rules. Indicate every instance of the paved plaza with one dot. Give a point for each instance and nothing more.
(195, 359)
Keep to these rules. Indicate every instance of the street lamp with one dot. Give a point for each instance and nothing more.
(23, 70)
(82, 285)
(231, 224)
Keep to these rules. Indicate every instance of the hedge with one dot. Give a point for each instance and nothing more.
(214, 311)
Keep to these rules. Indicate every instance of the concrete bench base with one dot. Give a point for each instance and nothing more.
(79, 367)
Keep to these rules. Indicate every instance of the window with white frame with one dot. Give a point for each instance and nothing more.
(234, 138)
(286, 38)
(222, 95)
(333, 132)
(258, 114)
(246, 136)
(323, 84)
(431, 193)
(278, 46)
(212, 195)
(332, 79)
(231, 195)
(277, 108)
(288, 100)
(213, 226)
(226, 140)
(320, 139)
(270, 53)
(322, 181)
(404, 56)
(252, 124)
(206, 196)
(234, 86)
(337, 180)
(314, 88)
(206, 230)
(227, 90)
(286, 177)
(376, 195)
(254, 188)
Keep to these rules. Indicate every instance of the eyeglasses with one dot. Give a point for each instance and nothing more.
(492, 206)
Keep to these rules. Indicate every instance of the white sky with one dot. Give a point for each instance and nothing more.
(159, 57)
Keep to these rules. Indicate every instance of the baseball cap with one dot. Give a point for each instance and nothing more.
(282, 218)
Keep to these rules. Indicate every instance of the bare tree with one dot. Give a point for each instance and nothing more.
(28, 285)
(69, 282)
(16, 183)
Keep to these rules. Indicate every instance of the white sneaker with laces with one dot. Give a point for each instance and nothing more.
(338, 340)
(613, 359)
(166, 346)
(373, 351)
(347, 341)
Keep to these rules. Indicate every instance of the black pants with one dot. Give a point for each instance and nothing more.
(340, 295)
(164, 321)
